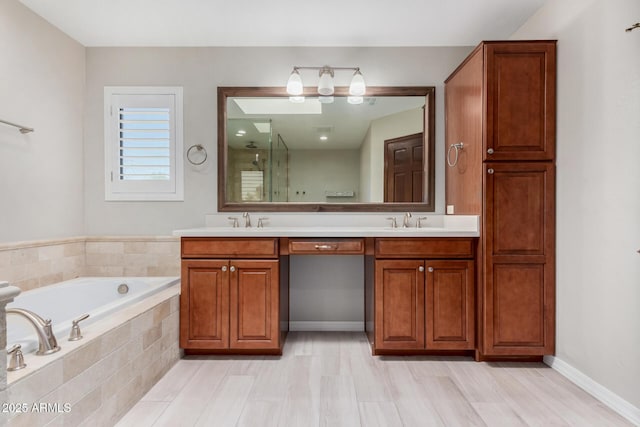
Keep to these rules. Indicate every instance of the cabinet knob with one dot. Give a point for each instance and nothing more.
(421, 268)
(490, 171)
(224, 268)
(430, 269)
(490, 151)
(232, 269)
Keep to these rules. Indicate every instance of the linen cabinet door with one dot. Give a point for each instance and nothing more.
(450, 305)
(399, 304)
(204, 304)
(520, 100)
(254, 304)
(519, 262)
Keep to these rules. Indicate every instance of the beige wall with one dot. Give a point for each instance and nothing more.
(598, 202)
(200, 71)
(312, 172)
(41, 86)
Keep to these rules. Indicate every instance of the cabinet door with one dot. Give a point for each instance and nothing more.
(399, 304)
(519, 259)
(520, 100)
(254, 302)
(204, 304)
(450, 305)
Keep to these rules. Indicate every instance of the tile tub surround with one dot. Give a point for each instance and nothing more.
(7, 294)
(30, 265)
(105, 373)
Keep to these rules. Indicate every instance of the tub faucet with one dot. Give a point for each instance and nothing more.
(47, 342)
(405, 222)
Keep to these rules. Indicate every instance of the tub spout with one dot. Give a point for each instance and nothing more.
(47, 342)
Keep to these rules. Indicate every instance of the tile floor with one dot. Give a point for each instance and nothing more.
(331, 379)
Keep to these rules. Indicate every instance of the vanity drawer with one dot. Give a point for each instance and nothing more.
(214, 247)
(425, 247)
(326, 246)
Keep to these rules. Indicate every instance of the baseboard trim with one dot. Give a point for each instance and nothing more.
(326, 326)
(597, 390)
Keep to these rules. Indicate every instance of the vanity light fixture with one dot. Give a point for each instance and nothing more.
(295, 88)
(324, 138)
(294, 85)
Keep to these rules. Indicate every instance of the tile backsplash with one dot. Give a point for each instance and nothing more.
(33, 264)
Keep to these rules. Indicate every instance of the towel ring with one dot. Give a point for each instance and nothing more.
(458, 147)
(199, 147)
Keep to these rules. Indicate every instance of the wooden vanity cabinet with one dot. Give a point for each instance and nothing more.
(450, 303)
(399, 305)
(518, 315)
(204, 304)
(230, 305)
(425, 300)
(500, 104)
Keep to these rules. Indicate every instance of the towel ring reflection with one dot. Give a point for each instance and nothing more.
(199, 147)
(458, 147)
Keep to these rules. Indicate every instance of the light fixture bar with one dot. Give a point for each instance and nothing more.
(295, 88)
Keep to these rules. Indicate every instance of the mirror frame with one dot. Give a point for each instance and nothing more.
(428, 205)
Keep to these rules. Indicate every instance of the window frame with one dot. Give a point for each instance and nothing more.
(143, 190)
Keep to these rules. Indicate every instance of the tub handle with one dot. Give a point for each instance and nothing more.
(17, 358)
(75, 333)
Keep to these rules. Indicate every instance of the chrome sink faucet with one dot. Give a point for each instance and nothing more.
(47, 342)
(405, 221)
(247, 219)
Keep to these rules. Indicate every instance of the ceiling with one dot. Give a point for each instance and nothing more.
(285, 22)
(344, 125)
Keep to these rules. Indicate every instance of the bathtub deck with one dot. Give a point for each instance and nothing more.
(331, 379)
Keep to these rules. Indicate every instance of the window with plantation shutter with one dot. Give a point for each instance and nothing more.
(252, 186)
(143, 143)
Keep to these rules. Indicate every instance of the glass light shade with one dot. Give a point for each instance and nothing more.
(325, 99)
(296, 99)
(325, 85)
(355, 99)
(357, 86)
(294, 84)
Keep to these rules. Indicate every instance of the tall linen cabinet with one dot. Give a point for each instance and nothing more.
(500, 139)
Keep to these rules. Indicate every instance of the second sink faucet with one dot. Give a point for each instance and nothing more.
(405, 222)
(247, 219)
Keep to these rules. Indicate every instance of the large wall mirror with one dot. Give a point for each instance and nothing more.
(326, 153)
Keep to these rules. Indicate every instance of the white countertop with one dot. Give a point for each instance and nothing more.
(347, 226)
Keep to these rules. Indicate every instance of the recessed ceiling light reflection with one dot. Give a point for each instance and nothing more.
(324, 138)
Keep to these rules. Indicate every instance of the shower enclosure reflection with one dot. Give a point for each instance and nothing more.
(258, 170)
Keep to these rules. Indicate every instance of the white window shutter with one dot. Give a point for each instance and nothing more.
(143, 144)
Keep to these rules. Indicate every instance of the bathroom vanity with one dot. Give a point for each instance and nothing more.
(486, 289)
(418, 287)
